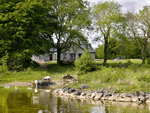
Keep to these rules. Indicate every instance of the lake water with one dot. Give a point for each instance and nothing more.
(27, 101)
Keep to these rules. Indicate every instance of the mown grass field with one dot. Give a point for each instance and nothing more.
(124, 75)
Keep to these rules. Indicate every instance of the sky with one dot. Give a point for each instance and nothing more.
(126, 5)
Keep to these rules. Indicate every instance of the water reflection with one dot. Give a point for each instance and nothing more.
(17, 101)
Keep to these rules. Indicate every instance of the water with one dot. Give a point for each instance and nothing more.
(26, 101)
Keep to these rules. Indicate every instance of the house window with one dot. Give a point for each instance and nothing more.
(64, 55)
(79, 55)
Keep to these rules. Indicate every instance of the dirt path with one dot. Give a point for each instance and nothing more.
(17, 84)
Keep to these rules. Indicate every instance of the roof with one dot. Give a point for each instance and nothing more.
(82, 46)
(89, 47)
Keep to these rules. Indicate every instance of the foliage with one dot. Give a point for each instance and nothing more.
(85, 63)
(99, 52)
(138, 29)
(73, 17)
(147, 61)
(3, 62)
(109, 21)
(25, 28)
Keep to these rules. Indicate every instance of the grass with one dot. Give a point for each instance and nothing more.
(123, 75)
(31, 74)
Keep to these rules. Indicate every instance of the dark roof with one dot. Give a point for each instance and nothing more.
(89, 47)
(82, 46)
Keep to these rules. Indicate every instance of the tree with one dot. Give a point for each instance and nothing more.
(139, 29)
(99, 52)
(108, 20)
(73, 17)
(25, 28)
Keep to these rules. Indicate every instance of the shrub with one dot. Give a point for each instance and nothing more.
(147, 61)
(18, 61)
(85, 63)
(3, 62)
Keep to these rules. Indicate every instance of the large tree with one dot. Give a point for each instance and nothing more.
(139, 29)
(108, 20)
(73, 18)
(25, 27)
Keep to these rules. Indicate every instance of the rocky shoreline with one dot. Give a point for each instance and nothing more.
(104, 94)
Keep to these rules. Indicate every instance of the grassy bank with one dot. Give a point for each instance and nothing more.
(32, 74)
(123, 75)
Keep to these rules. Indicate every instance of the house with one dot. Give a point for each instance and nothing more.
(69, 55)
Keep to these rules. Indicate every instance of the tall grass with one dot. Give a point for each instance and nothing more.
(124, 76)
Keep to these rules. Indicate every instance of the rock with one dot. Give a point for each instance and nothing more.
(78, 92)
(134, 99)
(73, 96)
(66, 88)
(142, 99)
(56, 91)
(93, 95)
(122, 95)
(98, 96)
(83, 94)
(125, 99)
(71, 90)
(82, 97)
(148, 101)
(139, 93)
(114, 97)
(129, 95)
(83, 86)
(61, 92)
(88, 95)
(101, 90)
(67, 76)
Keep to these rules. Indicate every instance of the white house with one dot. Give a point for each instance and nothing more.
(69, 55)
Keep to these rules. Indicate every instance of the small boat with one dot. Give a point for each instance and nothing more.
(43, 82)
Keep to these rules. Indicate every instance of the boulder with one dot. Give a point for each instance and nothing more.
(139, 93)
(129, 95)
(125, 99)
(83, 86)
(134, 99)
(77, 92)
(114, 97)
(71, 90)
(67, 76)
(93, 95)
(98, 96)
(83, 94)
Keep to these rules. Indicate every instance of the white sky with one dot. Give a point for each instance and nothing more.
(126, 5)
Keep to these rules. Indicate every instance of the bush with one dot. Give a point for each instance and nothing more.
(3, 62)
(147, 61)
(85, 63)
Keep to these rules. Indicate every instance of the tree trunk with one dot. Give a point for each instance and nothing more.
(105, 51)
(143, 56)
(58, 53)
(58, 57)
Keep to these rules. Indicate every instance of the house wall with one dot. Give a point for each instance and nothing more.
(46, 57)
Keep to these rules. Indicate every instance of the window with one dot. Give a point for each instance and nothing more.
(64, 55)
(79, 55)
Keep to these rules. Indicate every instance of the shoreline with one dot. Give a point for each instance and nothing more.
(108, 94)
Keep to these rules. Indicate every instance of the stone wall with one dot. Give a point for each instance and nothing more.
(104, 94)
